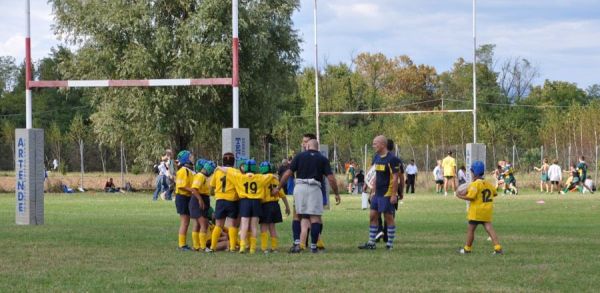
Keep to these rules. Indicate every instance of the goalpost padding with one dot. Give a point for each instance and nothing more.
(236, 141)
(30, 175)
(474, 152)
(324, 150)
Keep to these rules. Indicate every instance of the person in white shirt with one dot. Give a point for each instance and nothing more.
(438, 176)
(161, 178)
(462, 176)
(54, 164)
(411, 171)
(555, 176)
(589, 183)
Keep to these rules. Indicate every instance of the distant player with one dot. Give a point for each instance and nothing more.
(449, 167)
(510, 183)
(582, 170)
(200, 203)
(350, 174)
(270, 212)
(544, 179)
(183, 195)
(438, 177)
(227, 204)
(573, 181)
(480, 195)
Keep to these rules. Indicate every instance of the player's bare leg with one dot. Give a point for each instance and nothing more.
(490, 230)
(470, 238)
(245, 223)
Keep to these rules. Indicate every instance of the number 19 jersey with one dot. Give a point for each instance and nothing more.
(249, 185)
(482, 195)
(224, 185)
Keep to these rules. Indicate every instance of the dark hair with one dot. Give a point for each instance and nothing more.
(582, 158)
(463, 168)
(310, 135)
(228, 159)
(412, 161)
(390, 145)
(449, 152)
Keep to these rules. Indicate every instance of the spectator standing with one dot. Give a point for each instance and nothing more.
(555, 176)
(411, 172)
(360, 181)
(449, 166)
(462, 175)
(161, 179)
(170, 174)
(438, 177)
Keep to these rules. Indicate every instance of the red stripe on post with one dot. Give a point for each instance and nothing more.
(27, 63)
(211, 81)
(126, 83)
(48, 83)
(236, 75)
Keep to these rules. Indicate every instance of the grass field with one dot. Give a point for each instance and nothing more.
(103, 242)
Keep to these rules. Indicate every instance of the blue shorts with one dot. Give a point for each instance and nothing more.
(382, 204)
(195, 211)
(271, 213)
(226, 209)
(182, 204)
(250, 208)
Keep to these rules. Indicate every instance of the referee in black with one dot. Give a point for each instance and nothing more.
(310, 167)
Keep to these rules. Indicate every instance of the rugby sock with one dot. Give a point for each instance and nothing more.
(182, 240)
(467, 248)
(214, 238)
(202, 239)
(263, 241)
(373, 233)
(252, 244)
(296, 231)
(233, 235)
(320, 243)
(497, 247)
(274, 243)
(242, 245)
(195, 240)
(391, 230)
(315, 230)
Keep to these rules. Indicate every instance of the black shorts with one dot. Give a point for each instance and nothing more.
(554, 182)
(226, 209)
(271, 213)
(195, 211)
(182, 203)
(439, 181)
(476, 222)
(250, 208)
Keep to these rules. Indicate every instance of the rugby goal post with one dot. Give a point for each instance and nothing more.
(29, 142)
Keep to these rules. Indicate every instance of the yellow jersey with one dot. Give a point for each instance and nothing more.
(481, 193)
(183, 178)
(449, 166)
(250, 185)
(201, 184)
(270, 198)
(224, 186)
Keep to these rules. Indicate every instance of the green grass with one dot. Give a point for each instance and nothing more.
(100, 242)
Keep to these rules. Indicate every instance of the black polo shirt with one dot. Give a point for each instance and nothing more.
(310, 165)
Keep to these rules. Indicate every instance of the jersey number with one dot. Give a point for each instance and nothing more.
(252, 186)
(487, 195)
(223, 183)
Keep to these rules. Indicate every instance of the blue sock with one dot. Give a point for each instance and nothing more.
(315, 230)
(296, 231)
(373, 232)
(391, 235)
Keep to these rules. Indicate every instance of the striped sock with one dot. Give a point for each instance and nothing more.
(372, 233)
(391, 230)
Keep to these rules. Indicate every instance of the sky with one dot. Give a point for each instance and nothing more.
(560, 37)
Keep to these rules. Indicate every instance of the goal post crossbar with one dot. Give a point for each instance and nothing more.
(392, 112)
(131, 83)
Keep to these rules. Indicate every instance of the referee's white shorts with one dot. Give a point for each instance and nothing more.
(308, 199)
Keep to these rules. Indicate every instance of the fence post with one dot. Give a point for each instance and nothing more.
(513, 156)
(81, 160)
(365, 160)
(122, 176)
(427, 159)
(542, 154)
(569, 158)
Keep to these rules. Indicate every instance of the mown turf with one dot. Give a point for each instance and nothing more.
(101, 242)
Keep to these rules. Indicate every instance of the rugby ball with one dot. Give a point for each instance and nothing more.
(462, 189)
(370, 178)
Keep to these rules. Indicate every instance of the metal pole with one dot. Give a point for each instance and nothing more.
(122, 163)
(81, 160)
(316, 75)
(513, 155)
(427, 158)
(569, 158)
(269, 158)
(236, 78)
(28, 115)
(474, 74)
(596, 174)
(365, 160)
(542, 154)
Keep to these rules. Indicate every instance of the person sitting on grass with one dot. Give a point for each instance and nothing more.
(109, 186)
(480, 195)
(573, 181)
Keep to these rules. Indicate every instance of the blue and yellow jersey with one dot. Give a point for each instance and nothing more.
(481, 194)
(250, 185)
(385, 168)
(224, 186)
(270, 198)
(183, 178)
(201, 184)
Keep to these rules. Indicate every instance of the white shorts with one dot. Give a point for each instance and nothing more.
(308, 199)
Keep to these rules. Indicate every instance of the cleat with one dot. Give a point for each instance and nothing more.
(295, 249)
(314, 250)
(266, 251)
(498, 252)
(463, 251)
(388, 247)
(367, 246)
(379, 235)
(208, 250)
(184, 248)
